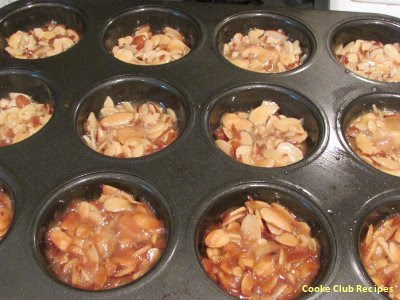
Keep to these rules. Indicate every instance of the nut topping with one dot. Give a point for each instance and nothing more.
(146, 48)
(21, 117)
(380, 255)
(41, 42)
(129, 130)
(262, 137)
(250, 260)
(6, 213)
(371, 59)
(265, 51)
(104, 243)
(375, 137)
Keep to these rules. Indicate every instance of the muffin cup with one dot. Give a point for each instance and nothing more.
(88, 187)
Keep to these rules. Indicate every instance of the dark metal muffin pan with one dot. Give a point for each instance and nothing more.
(191, 180)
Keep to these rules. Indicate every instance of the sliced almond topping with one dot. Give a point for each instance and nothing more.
(233, 218)
(246, 138)
(142, 250)
(146, 222)
(217, 238)
(224, 146)
(237, 211)
(114, 204)
(83, 209)
(274, 230)
(91, 252)
(83, 231)
(271, 216)
(293, 153)
(287, 239)
(282, 257)
(60, 239)
(381, 241)
(262, 138)
(396, 235)
(303, 228)
(117, 119)
(129, 269)
(153, 255)
(247, 284)
(146, 48)
(110, 190)
(105, 242)
(264, 267)
(260, 115)
(283, 212)
(386, 162)
(261, 204)
(394, 249)
(250, 227)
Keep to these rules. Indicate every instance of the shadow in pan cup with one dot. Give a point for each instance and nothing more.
(88, 187)
(247, 97)
(371, 29)
(302, 207)
(157, 17)
(244, 22)
(134, 89)
(26, 82)
(40, 14)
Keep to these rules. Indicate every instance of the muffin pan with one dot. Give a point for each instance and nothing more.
(191, 180)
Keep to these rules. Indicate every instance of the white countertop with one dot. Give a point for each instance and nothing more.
(390, 7)
(5, 2)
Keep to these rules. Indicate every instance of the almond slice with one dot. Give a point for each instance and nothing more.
(394, 249)
(283, 212)
(60, 239)
(91, 252)
(397, 235)
(110, 190)
(381, 241)
(116, 204)
(260, 115)
(264, 267)
(117, 119)
(250, 227)
(146, 222)
(271, 216)
(217, 238)
(224, 146)
(287, 239)
(129, 269)
(274, 230)
(303, 228)
(247, 284)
